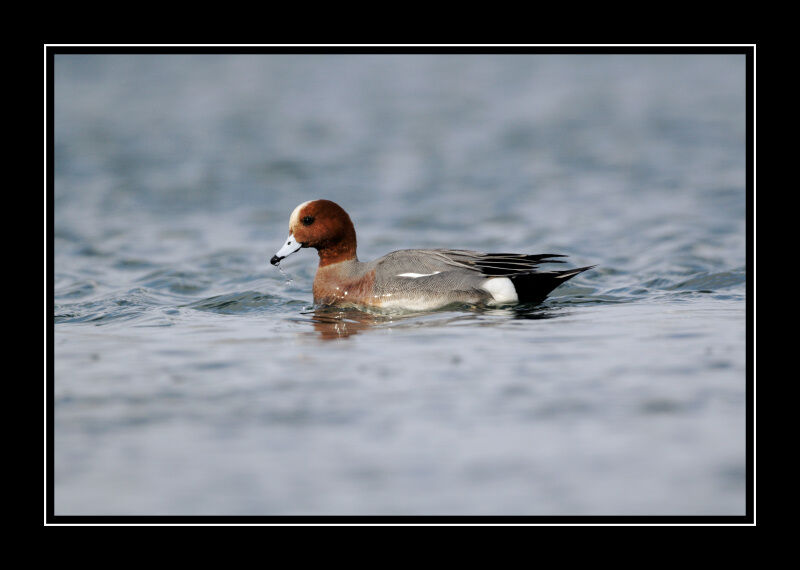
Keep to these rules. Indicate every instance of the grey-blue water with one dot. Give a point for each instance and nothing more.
(191, 377)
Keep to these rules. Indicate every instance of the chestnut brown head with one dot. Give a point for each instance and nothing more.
(323, 225)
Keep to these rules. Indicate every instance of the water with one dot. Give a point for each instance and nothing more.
(191, 377)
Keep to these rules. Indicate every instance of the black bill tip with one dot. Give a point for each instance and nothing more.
(275, 260)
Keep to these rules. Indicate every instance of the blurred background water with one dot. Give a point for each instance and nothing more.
(191, 377)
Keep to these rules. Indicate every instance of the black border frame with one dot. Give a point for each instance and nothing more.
(748, 519)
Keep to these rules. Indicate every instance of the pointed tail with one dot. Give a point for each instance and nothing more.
(534, 287)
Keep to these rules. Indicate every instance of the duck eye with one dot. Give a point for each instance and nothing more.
(307, 220)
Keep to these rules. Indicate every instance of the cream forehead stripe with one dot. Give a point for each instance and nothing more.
(293, 218)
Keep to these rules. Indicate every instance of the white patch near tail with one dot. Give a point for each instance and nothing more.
(416, 275)
(501, 289)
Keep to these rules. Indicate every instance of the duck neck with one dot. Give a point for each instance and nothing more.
(341, 250)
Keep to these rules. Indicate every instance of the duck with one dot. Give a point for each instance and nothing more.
(412, 279)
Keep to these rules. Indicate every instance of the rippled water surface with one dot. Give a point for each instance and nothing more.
(191, 377)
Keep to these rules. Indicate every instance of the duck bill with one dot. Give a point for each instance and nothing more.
(288, 249)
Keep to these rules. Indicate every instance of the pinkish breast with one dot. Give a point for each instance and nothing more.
(332, 289)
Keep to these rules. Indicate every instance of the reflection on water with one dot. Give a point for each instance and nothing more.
(334, 323)
(523, 312)
(341, 322)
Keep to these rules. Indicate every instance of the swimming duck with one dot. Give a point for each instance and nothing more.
(412, 279)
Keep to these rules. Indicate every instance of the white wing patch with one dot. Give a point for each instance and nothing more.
(416, 275)
(501, 289)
